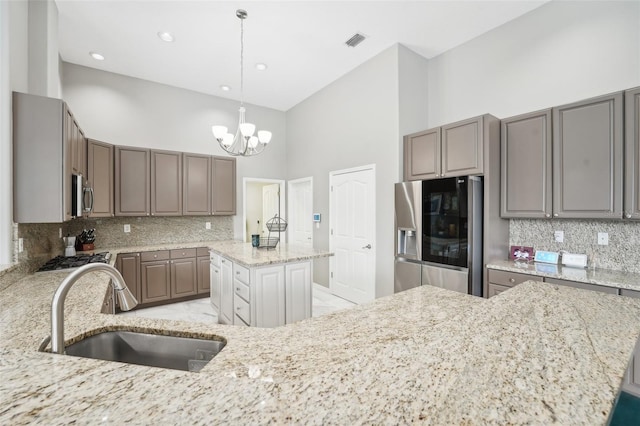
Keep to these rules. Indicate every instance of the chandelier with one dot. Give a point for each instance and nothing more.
(243, 143)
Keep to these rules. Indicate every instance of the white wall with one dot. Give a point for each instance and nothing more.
(352, 122)
(128, 111)
(44, 77)
(561, 52)
(13, 76)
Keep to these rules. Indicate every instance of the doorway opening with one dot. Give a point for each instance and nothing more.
(262, 199)
(300, 212)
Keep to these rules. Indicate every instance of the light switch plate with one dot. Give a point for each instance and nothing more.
(603, 238)
(207, 225)
(575, 260)
(546, 256)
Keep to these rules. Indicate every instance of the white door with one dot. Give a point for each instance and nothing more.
(301, 212)
(352, 234)
(270, 201)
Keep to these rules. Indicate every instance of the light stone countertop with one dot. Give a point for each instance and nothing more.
(603, 277)
(537, 353)
(237, 251)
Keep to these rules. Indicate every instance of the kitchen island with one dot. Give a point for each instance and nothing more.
(537, 353)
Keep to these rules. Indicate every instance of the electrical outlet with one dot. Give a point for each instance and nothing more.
(127, 228)
(603, 238)
(207, 225)
(559, 236)
(20, 245)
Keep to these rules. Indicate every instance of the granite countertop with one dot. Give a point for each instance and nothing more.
(538, 353)
(237, 251)
(603, 277)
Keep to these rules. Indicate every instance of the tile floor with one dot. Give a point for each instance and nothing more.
(200, 310)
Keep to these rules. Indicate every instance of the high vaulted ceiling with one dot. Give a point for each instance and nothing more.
(302, 42)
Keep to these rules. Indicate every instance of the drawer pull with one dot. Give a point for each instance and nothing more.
(183, 253)
(238, 289)
(512, 280)
(155, 256)
(237, 272)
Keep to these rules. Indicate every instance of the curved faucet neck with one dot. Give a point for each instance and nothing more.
(57, 304)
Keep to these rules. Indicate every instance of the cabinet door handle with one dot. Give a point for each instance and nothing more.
(547, 215)
(238, 289)
(628, 215)
(237, 272)
(555, 215)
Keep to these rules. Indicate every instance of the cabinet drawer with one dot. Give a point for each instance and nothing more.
(241, 273)
(242, 309)
(509, 279)
(150, 256)
(202, 251)
(585, 286)
(183, 253)
(630, 293)
(495, 289)
(214, 258)
(241, 289)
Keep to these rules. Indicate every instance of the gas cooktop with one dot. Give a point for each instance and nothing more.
(64, 262)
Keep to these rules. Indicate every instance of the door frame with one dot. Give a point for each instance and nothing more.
(374, 249)
(292, 201)
(283, 197)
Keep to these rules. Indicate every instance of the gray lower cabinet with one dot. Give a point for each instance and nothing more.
(526, 184)
(587, 158)
(204, 271)
(500, 281)
(196, 184)
(585, 286)
(422, 155)
(223, 197)
(132, 186)
(166, 183)
(184, 277)
(155, 281)
(632, 154)
(128, 264)
(100, 177)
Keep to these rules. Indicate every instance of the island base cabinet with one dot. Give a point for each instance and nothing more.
(225, 315)
(214, 281)
(268, 296)
(298, 292)
(263, 296)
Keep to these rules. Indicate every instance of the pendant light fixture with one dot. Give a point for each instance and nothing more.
(244, 143)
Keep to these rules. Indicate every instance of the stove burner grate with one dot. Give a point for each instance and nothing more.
(63, 262)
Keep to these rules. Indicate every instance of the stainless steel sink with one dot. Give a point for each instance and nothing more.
(178, 353)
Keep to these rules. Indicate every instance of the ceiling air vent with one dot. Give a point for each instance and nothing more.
(355, 40)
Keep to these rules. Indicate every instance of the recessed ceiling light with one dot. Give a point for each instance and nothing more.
(166, 36)
(225, 88)
(96, 56)
(261, 67)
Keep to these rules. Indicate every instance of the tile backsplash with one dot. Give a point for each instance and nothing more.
(42, 241)
(581, 236)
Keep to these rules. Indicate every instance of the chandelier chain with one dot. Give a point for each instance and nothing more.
(241, 61)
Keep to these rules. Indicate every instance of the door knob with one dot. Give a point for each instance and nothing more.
(368, 246)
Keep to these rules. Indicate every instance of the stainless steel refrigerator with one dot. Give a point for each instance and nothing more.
(438, 225)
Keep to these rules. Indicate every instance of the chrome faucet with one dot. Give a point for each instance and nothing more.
(125, 298)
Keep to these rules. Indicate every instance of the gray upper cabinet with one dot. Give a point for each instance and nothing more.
(166, 183)
(422, 155)
(100, 177)
(196, 181)
(41, 159)
(526, 166)
(632, 154)
(456, 149)
(587, 158)
(223, 198)
(462, 147)
(132, 181)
